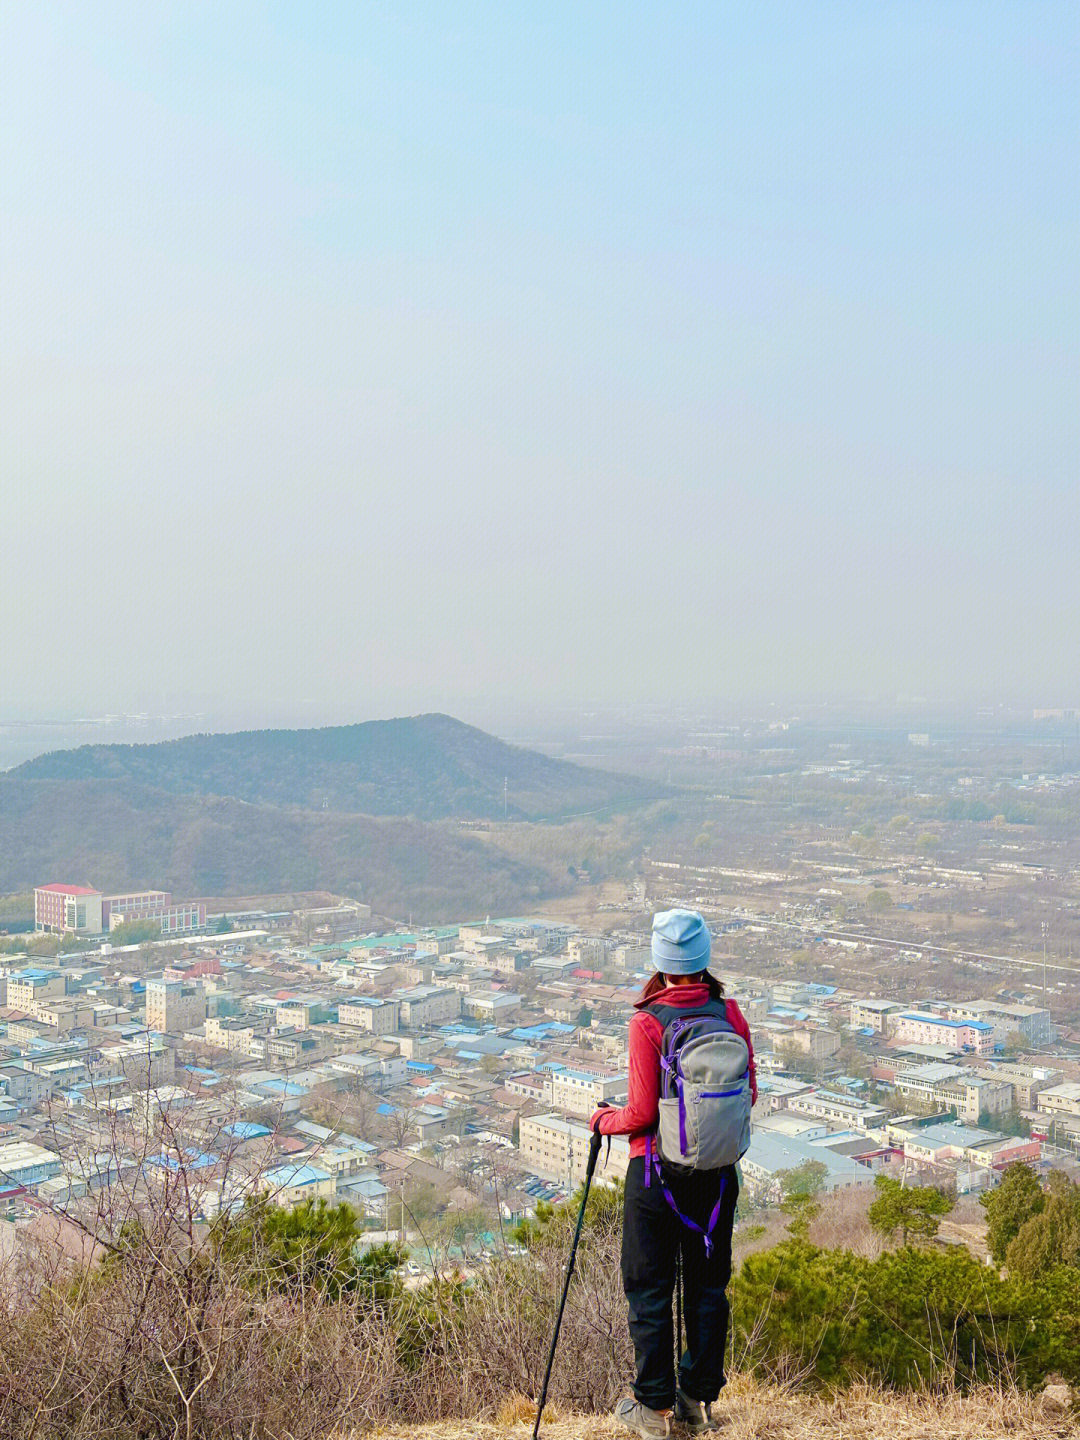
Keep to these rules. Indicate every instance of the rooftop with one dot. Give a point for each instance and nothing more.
(952, 1024)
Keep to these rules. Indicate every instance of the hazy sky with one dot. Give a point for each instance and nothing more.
(383, 357)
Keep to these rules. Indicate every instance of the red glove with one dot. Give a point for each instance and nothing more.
(594, 1123)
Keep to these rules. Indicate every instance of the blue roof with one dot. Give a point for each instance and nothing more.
(296, 1175)
(193, 1160)
(246, 1130)
(952, 1024)
(422, 1067)
(386, 1110)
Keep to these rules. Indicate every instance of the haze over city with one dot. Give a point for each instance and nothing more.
(369, 360)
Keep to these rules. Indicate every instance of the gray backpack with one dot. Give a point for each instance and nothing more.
(704, 1089)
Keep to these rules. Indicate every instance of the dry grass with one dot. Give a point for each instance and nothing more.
(750, 1411)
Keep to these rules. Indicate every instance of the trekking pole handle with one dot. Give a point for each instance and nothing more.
(594, 1151)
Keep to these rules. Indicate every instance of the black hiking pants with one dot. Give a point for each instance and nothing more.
(653, 1236)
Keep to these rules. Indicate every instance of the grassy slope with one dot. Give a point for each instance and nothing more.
(752, 1411)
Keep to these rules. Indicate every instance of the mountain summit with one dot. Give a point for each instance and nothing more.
(428, 766)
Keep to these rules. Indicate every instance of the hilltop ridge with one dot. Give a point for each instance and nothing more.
(428, 766)
(366, 809)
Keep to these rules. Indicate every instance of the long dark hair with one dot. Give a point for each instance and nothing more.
(659, 981)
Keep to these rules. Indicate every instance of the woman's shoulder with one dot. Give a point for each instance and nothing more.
(643, 1019)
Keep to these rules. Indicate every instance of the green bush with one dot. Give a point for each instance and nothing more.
(911, 1318)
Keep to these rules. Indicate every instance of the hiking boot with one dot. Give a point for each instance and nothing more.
(696, 1415)
(653, 1424)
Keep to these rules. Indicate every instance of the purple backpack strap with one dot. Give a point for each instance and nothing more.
(652, 1162)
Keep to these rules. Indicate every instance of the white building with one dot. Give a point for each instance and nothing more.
(556, 1148)
(427, 1005)
(174, 1006)
(579, 1092)
(377, 1017)
(490, 1005)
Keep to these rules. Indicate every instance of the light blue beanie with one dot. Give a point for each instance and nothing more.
(681, 943)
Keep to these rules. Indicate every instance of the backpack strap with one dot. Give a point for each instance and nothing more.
(667, 1013)
(653, 1166)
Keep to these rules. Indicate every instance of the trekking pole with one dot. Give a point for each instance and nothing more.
(594, 1152)
(678, 1309)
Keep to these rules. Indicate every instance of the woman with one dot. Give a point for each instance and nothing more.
(654, 1232)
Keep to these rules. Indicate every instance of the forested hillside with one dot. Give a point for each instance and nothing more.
(119, 835)
(429, 766)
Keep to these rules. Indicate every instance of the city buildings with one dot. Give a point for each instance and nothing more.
(77, 909)
(976, 1036)
(453, 1077)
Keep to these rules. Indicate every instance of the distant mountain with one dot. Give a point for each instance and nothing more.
(122, 836)
(427, 766)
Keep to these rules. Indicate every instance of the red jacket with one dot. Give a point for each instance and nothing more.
(638, 1118)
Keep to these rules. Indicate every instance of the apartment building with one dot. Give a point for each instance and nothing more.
(144, 1061)
(367, 1013)
(633, 957)
(174, 1006)
(876, 1015)
(1060, 1100)
(25, 988)
(579, 1092)
(302, 1011)
(288, 1047)
(427, 1005)
(64, 1014)
(922, 1083)
(237, 1035)
(973, 1096)
(817, 1041)
(1027, 1081)
(973, 1036)
(511, 962)
(1032, 1022)
(556, 1148)
(841, 1110)
(589, 952)
(23, 1085)
(490, 1005)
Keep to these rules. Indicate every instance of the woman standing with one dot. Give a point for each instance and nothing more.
(668, 1213)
